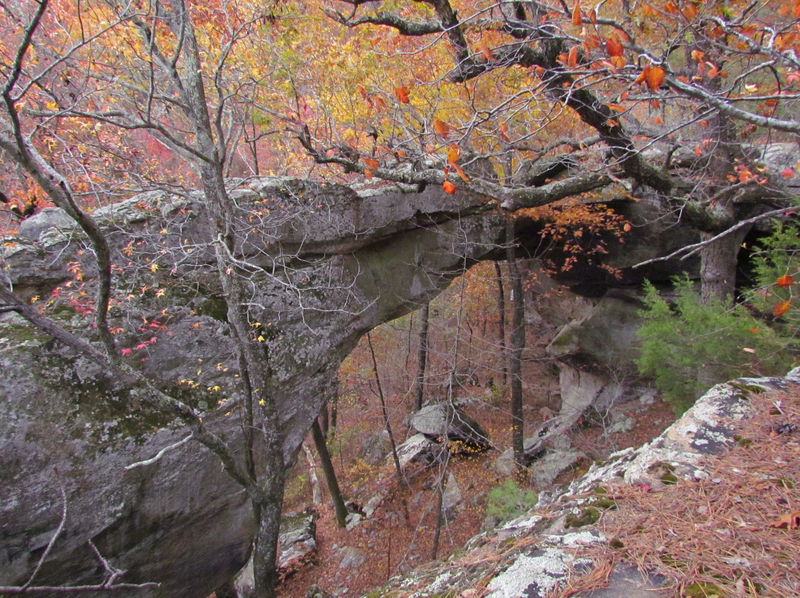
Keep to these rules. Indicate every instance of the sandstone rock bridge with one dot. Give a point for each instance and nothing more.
(328, 264)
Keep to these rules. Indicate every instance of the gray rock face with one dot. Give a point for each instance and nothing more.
(451, 499)
(418, 449)
(375, 448)
(319, 284)
(443, 421)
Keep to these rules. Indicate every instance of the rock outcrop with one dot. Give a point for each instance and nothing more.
(531, 555)
(327, 265)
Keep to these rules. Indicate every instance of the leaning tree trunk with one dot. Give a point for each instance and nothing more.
(330, 475)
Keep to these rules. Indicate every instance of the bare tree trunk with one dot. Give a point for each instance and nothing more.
(718, 266)
(400, 477)
(517, 345)
(330, 475)
(316, 492)
(501, 310)
(422, 356)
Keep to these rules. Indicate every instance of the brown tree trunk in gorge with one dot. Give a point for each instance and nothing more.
(515, 355)
(422, 356)
(501, 310)
(330, 475)
(400, 477)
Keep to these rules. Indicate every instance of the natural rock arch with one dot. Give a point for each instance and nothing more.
(328, 265)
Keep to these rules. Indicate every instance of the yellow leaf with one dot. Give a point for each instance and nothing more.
(453, 154)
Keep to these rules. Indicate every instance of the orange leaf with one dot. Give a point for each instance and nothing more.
(781, 308)
(617, 107)
(483, 46)
(577, 17)
(370, 162)
(449, 187)
(787, 173)
(572, 59)
(788, 520)
(461, 173)
(618, 61)
(362, 91)
(690, 12)
(643, 75)
(504, 132)
(401, 153)
(453, 154)
(593, 16)
(753, 330)
(368, 174)
(402, 94)
(655, 77)
(784, 281)
(655, 104)
(623, 96)
(614, 46)
(441, 128)
(698, 55)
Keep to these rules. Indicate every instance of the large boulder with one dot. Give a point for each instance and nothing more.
(441, 420)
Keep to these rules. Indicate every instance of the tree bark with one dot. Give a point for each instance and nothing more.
(422, 356)
(330, 475)
(501, 310)
(718, 266)
(515, 355)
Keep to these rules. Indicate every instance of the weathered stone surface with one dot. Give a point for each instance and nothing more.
(375, 448)
(451, 499)
(443, 421)
(555, 462)
(546, 554)
(418, 449)
(319, 284)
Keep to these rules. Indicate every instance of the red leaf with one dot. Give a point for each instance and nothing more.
(614, 46)
(577, 17)
(784, 281)
(572, 59)
(402, 94)
(449, 187)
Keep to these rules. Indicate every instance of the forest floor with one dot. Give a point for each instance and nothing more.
(399, 535)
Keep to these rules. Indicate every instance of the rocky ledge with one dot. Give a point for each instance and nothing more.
(535, 555)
